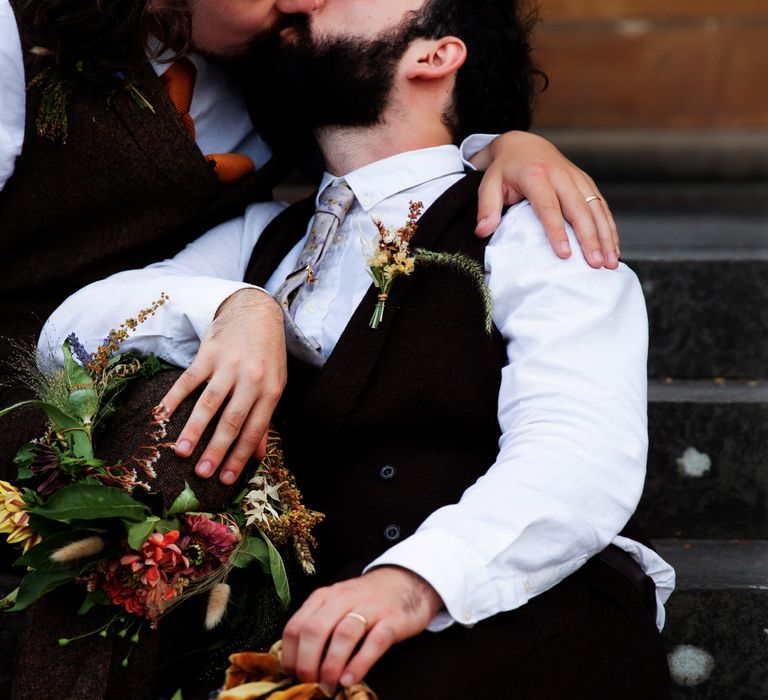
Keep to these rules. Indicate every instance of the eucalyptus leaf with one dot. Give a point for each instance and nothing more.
(139, 532)
(185, 502)
(90, 500)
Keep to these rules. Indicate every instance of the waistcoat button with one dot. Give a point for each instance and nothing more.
(391, 533)
(387, 472)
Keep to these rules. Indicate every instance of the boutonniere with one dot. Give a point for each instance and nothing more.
(393, 258)
(57, 83)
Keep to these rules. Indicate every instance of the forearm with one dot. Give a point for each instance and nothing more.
(173, 332)
(572, 408)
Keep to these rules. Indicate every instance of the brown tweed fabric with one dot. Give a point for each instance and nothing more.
(90, 669)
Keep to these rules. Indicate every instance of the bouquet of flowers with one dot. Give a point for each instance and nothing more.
(101, 524)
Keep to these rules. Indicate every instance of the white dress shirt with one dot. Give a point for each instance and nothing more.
(222, 123)
(572, 402)
(12, 93)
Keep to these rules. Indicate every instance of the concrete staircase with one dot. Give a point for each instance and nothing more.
(701, 252)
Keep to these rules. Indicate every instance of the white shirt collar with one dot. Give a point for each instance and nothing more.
(375, 182)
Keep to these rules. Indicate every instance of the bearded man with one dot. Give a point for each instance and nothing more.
(125, 154)
(478, 487)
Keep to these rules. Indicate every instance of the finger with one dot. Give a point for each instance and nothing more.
(347, 635)
(379, 639)
(205, 408)
(577, 212)
(252, 434)
(228, 429)
(293, 629)
(191, 378)
(490, 202)
(261, 450)
(545, 204)
(606, 211)
(604, 225)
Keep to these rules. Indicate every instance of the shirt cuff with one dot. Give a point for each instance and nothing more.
(453, 569)
(472, 145)
(199, 298)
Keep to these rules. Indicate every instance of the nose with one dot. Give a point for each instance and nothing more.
(298, 6)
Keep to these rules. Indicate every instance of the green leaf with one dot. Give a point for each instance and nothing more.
(74, 429)
(77, 376)
(23, 460)
(277, 569)
(10, 600)
(138, 532)
(90, 500)
(252, 549)
(92, 599)
(166, 526)
(37, 583)
(39, 556)
(185, 502)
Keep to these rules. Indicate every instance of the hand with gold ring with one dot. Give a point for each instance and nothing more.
(520, 165)
(341, 631)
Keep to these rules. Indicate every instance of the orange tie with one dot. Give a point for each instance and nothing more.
(179, 79)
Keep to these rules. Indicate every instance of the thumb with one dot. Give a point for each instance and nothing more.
(490, 203)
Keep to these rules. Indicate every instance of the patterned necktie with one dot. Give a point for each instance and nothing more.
(179, 79)
(333, 206)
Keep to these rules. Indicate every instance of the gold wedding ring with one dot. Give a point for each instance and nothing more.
(359, 617)
(591, 198)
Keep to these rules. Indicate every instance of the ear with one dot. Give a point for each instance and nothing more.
(436, 58)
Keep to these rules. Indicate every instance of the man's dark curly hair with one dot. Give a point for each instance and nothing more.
(496, 87)
(111, 35)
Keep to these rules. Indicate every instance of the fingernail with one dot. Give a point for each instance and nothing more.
(565, 248)
(612, 258)
(597, 257)
(183, 448)
(328, 691)
(483, 221)
(228, 477)
(347, 680)
(204, 469)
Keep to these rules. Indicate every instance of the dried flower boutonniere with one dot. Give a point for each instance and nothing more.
(393, 258)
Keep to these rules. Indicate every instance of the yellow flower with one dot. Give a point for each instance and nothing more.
(14, 518)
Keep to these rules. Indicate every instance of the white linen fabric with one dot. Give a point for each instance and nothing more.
(572, 403)
(12, 93)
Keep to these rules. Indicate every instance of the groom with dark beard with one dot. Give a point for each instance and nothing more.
(478, 486)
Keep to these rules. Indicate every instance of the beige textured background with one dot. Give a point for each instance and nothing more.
(678, 64)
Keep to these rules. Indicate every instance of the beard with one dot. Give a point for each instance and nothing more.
(309, 83)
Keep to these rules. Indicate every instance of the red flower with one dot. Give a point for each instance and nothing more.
(143, 582)
(206, 543)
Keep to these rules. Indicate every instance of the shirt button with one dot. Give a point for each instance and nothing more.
(387, 472)
(366, 200)
(310, 308)
(391, 533)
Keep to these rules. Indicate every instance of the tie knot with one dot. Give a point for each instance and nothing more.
(337, 200)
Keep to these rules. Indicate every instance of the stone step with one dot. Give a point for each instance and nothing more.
(705, 279)
(717, 619)
(706, 462)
